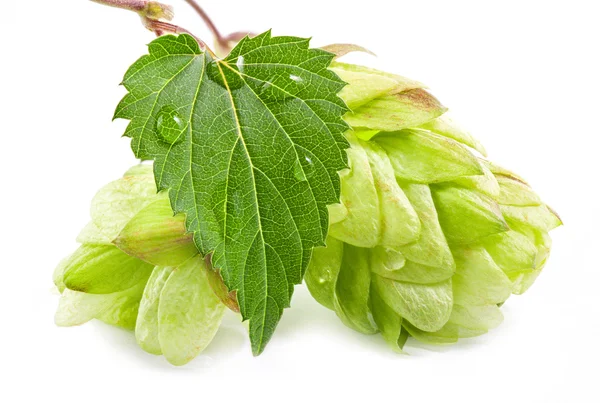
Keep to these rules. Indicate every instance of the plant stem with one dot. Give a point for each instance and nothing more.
(161, 27)
(133, 5)
(207, 20)
(151, 13)
(149, 9)
(223, 42)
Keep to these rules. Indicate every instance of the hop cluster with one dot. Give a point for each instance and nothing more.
(137, 268)
(430, 238)
(428, 241)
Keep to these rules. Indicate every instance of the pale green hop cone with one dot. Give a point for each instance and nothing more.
(430, 238)
(137, 269)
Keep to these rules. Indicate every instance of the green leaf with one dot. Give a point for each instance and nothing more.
(250, 147)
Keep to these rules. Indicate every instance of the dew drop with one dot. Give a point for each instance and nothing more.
(393, 260)
(269, 92)
(299, 171)
(169, 125)
(240, 64)
(326, 277)
(266, 88)
(309, 166)
(296, 78)
(223, 75)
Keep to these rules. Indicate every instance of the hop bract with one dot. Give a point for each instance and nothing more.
(430, 238)
(137, 269)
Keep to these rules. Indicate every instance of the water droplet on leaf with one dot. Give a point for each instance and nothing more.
(326, 276)
(224, 74)
(240, 64)
(169, 125)
(298, 171)
(309, 166)
(268, 91)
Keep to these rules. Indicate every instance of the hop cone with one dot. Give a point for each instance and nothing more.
(137, 268)
(429, 239)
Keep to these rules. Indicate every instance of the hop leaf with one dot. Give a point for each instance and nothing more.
(249, 148)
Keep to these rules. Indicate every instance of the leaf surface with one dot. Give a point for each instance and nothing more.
(249, 147)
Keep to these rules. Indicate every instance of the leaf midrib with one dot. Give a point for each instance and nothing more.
(243, 142)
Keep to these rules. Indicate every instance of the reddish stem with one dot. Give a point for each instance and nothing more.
(146, 8)
(133, 5)
(207, 20)
(161, 27)
(223, 42)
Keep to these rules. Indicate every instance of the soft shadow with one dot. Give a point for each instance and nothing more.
(416, 348)
(124, 341)
(230, 337)
(307, 314)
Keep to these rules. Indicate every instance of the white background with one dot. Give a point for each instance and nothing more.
(522, 75)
